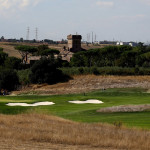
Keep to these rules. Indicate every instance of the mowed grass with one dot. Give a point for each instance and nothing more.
(87, 112)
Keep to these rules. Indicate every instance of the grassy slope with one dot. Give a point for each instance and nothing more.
(40, 131)
(87, 112)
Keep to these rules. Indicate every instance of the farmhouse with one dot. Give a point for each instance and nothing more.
(74, 45)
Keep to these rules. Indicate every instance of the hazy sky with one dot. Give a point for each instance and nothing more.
(124, 20)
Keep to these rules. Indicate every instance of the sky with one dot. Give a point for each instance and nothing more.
(119, 20)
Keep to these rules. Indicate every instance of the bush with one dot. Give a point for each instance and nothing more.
(81, 70)
(105, 71)
(45, 71)
(13, 63)
(3, 57)
(8, 79)
(1, 49)
(24, 76)
(95, 71)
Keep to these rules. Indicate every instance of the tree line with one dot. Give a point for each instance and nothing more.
(114, 60)
(14, 71)
(113, 56)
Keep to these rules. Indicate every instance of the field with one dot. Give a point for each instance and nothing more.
(43, 127)
(9, 47)
(40, 131)
(87, 112)
(87, 83)
(76, 126)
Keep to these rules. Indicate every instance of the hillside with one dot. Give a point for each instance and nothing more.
(39, 131)
(9, 47)
(87, 83)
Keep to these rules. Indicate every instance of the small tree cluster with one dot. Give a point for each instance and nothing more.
(45, 71)
(121, 56)
(8, 79)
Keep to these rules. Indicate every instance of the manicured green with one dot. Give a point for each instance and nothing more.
(87, 112)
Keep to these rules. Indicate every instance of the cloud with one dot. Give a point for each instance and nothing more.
(105, 4)
(129, 18)
(147, 2)
(8, 7)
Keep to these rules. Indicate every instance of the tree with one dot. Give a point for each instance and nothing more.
(45, 71)
(25, 50)
(2, 38)
(141, 46)
(1, 49)
(8, 79)
(21, 39)
(12, 63)
(50, 52)
(42, 48)
(3, 57)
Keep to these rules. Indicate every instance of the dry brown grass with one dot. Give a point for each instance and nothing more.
(87, 83)
(125, 108)
(39, 131)
(10, 50)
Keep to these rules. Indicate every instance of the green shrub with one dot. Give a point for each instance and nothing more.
(105, 71)
(8, 79)
(24, 76)
(1, 49)
(46, 71)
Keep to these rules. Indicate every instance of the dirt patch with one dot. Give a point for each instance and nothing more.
(87, 83)
(125, 108)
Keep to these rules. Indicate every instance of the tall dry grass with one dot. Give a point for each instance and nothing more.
(87, 83)
(42, 128)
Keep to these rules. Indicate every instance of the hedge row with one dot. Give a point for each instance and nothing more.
(105, 71)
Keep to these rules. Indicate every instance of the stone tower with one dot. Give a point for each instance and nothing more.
(74, 43)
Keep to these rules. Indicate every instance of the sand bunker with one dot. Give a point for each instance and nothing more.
(33, 105)
(125, 108)
(90, 101)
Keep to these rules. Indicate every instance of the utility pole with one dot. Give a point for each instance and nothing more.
(88, 37)
(92, 37)
(28, 34)
(36, 34)
(95, 37)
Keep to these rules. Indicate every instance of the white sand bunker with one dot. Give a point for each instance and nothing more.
(90, 101)
(33, 105)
